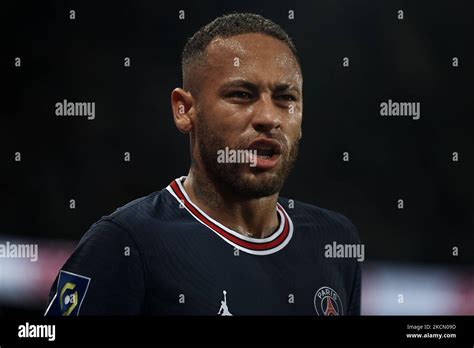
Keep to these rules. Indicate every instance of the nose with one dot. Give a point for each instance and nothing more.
(266, 115)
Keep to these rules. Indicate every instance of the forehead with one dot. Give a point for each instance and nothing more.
(252, 56)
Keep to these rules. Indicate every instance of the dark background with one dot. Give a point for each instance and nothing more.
(67, 158)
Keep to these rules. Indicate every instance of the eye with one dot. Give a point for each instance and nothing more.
(240, 95)
(286, 97)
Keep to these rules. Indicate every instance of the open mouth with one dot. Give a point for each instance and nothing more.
(267, 152)
(265, 147)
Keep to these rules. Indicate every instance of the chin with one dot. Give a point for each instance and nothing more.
(259, 184)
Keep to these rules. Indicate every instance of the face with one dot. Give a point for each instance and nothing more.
(250, 99)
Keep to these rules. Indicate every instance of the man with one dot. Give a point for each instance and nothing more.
(221, 240)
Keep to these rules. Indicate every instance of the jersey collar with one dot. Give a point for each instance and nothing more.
(256, 246)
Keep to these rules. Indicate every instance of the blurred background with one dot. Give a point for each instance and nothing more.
(409, 251)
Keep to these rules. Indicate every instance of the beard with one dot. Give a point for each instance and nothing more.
(240, 178)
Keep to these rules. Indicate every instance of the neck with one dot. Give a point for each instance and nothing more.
(254, 217)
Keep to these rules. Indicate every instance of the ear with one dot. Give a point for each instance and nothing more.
(184, 109)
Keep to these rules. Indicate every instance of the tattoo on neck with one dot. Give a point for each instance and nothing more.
(205, 192)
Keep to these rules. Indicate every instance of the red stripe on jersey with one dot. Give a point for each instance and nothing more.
(241, 242)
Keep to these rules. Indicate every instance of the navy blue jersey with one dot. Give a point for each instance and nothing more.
(161, 254)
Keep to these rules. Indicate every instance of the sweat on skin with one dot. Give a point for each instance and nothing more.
(221, 105)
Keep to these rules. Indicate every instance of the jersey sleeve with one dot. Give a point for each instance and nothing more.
(354, 302)
(354, 307)
(104, 275)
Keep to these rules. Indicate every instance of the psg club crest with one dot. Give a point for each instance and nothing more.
(327, 302)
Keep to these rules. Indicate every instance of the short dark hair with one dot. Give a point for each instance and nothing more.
(232, 25)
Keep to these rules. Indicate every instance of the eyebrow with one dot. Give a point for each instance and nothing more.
(284, 87)
(240, 83)
(254, 88)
